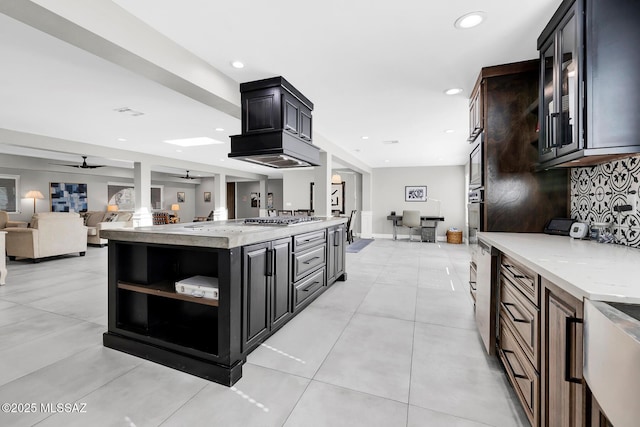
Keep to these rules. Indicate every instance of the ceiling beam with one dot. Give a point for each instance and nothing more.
(104, 29)
(41, 142)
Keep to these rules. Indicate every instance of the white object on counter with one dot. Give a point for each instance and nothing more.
(585, 269)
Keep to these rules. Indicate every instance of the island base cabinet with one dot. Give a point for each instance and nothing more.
(266, 284)
(336, 238)
(563, 391)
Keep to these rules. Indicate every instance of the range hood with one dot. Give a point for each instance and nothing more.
(276, 126)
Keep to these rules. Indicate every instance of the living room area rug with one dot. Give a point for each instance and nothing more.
(358, 245)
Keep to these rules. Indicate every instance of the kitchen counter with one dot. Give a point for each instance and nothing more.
(216, 234)
(583, 268)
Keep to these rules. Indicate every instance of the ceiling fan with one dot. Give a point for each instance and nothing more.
(187, 176)
(84, 164)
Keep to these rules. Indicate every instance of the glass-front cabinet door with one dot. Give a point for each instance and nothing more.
(547, 107)
(568, 119)
(560, 110)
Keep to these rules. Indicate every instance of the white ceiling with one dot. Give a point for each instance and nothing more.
(372, 68)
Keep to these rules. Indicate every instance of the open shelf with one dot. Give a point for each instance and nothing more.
(167, 290)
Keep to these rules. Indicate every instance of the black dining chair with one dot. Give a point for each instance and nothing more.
(350, 223)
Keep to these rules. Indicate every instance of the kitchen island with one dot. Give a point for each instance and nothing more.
(266, 274)
(531, 291)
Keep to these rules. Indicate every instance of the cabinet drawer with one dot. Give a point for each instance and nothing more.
(521, 277)
(522, 317)
(307, 287)
(473, 273)
(305, 241)
(308, 261)
(523, 377)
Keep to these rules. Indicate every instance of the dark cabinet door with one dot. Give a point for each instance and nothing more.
(562, 370)
(305, 124)
(561, 126)
(281, 281)
(338, 244)
(331, 256)
(335, 253)
(291, 114)
(256, 281)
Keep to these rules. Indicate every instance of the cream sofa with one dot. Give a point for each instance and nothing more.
(100, 220)
(49, 234)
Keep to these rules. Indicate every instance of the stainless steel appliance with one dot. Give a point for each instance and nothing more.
(476, 214)
(486, 290)
(476, 164)
(281, 220)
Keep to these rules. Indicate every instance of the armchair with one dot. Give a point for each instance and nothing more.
(51, 234)
(6, 222)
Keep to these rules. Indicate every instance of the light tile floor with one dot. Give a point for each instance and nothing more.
(394, 345)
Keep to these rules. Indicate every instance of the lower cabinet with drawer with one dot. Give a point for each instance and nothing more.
(519, 333)
(309, 267)
(524, 378)
(540, 345)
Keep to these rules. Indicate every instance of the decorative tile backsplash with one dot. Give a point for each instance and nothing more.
(595, 190)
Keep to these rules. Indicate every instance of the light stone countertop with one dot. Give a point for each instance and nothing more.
(585, 269)
(215, 234)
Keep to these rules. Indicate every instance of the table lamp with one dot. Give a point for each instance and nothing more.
(112, 208)
(175, 207)
(34, 194)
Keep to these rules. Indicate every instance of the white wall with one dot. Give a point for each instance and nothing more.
(243, 197)
(34, 176)
(203, 208)
(296, 187)
(444, 183)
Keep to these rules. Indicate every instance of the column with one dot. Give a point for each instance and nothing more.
(220, 212)
(142, 189)
(322, 180)
(366, 216)
(264, 187)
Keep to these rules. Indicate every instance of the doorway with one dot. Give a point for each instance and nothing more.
(231, 200)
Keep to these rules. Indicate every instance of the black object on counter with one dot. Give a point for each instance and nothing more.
(559, 226)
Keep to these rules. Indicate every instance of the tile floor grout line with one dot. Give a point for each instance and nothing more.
(185, 403)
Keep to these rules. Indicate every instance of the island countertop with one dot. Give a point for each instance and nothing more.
(216, 234)
(585, 269)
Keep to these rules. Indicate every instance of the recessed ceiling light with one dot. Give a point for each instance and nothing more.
(453, 91)
(219, 129)
(178, 151)
(192, 142)
(128, 111)
(122, 139)
(469, 20)
(449, 131)
(237, 64)
(222, 160)
(386, 161)
(365, 137)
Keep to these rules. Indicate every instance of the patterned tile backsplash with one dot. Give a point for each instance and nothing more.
(595, 190)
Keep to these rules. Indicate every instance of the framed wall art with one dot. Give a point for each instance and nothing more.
(67, 197)
(415, 193)
(207, 196)
(337, 197)
(255, 200)
(124, 196)
(180, 197)
(9, 191)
